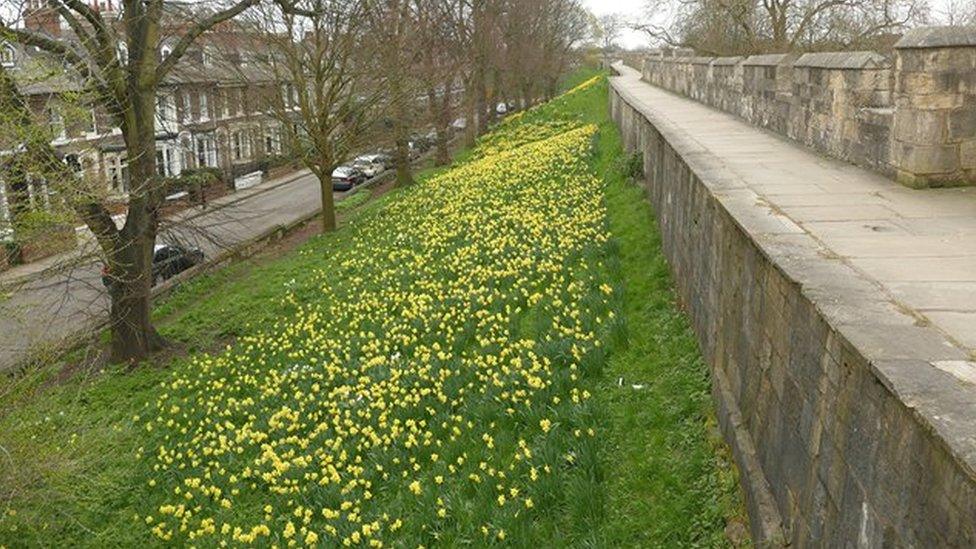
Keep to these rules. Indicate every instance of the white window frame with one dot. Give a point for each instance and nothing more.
(187, 107)
(171, 165)
(57, 124)
(116, 170)
(225, 94)
(166, 111)
(204, 105)
(38, 188)
(272, 142)
(8, 55)
(94, 124)
(241, 145)
(206, 152)
(4, 208)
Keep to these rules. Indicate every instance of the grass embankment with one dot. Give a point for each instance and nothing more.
(441, 371)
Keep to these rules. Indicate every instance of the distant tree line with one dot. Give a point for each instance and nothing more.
(742, 27)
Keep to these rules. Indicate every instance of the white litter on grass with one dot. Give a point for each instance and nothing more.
(635, 386)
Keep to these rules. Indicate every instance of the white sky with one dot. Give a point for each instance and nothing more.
(630, 9)
(633, 9)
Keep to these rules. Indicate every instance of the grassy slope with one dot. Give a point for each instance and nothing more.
(667, 482)
(66, 450)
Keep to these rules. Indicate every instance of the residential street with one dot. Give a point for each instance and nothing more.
(54, 307)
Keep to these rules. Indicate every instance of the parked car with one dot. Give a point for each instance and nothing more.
(386, 159)
(501, 109)
(345, 178)
(419, 144)
(370, 164)
(168, 261)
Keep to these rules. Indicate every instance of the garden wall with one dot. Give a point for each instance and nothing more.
(835, 449)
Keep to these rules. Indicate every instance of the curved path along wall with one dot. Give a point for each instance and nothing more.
(814, 289)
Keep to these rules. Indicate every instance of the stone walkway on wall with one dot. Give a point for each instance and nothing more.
(919, 246)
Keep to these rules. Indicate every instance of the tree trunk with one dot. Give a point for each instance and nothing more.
(481, 106)
(401, 157)
(328, 215)
(440, 110)
(133, 336)
(443, 127)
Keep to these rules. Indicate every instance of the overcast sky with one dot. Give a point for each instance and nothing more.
(632, 9)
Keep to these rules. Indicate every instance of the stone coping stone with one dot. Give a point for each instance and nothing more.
(938, 37)
(843, 60)
(767, 60)
(700, 60)
(917, 364)
(727, 61)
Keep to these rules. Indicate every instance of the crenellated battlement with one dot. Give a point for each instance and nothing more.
(910, 115)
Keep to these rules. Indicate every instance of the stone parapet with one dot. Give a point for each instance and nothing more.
(851, 421)
(934, 141)
(913, 117)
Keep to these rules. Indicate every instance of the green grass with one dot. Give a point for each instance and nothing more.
(76, 458)
(670, 482)
(67, 449)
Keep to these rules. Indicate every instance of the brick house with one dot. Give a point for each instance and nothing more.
(209, 109)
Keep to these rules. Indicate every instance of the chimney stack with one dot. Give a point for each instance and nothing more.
(38, 17)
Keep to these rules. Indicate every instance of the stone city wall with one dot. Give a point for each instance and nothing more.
(911, 116)
(843, 433)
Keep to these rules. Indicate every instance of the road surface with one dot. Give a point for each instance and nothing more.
(57, 307)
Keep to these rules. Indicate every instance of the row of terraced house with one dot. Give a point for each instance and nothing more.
(209, 112)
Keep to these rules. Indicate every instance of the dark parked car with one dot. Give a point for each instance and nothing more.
(345, 178)
(169, 260)
(419, 144)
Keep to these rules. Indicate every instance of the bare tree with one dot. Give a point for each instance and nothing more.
(609, 27)
(955, 12)
(394, 41)
(313, 79)
(120, 64)
(439, 67)
(731, 27)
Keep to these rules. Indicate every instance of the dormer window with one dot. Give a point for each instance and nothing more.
(8, 57)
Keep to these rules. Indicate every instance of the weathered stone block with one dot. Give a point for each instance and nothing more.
(920, 127)
(967, 154)
(923, 159)
(962, 124)
(918, 83)
(921, 60)
(937, 101)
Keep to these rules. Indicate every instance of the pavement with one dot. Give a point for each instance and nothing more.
(917, 246)
(48, 303)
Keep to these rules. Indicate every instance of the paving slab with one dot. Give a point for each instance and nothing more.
(917, 246)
